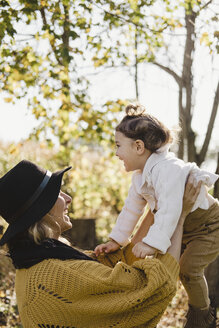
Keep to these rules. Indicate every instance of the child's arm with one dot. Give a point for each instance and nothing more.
(126, 221)
(191, 193)
(141, 249)
(110, 246)
(169, 184)
(131, 212)
(143, 228)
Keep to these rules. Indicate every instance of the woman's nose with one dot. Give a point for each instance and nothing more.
(68, 198)
(117, 154)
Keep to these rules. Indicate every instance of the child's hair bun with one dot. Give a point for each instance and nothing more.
(135, 110)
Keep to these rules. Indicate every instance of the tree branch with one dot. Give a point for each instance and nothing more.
(204, 6)
(42, 11)
(216, 186)
(177, 78)
(143, 27)
(43, 15)
(65, 35)
(204, 149)
(136, 65)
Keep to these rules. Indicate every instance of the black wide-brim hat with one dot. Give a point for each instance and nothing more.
(27, 193)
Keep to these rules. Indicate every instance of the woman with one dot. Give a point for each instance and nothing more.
(59, 286)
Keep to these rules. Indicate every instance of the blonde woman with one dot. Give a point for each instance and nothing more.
(59, 286)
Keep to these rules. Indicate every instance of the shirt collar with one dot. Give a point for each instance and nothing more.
(154, 158)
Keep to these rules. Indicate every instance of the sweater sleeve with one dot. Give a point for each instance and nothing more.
(80, 293)
(129, 216)
(169, 185)
(113, 296)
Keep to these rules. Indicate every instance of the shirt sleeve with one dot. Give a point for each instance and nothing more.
(129, 216)
(169, 184)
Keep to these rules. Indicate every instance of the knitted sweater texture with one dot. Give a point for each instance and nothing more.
(117, 291)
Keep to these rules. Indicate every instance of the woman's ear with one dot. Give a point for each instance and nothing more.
(139, 146)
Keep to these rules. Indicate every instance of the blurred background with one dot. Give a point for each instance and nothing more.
(68, 68)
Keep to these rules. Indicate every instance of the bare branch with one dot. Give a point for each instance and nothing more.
(204, 6)
(21, 40)
(137, 25)
(24, 34)
(216, 186)
(43, 15)
(177, 78)
(136, 65)
(42, 11)
(65, 35)
(204, 149)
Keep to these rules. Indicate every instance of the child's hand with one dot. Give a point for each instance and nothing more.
(110, 246)
(141, 250)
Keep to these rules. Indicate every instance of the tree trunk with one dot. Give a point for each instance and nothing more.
(216, 186)
(187, 80)
(83, 233)
(136, 65)
(182, 136)
(201, 156)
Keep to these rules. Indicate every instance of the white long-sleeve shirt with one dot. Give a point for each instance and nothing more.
(161, 185)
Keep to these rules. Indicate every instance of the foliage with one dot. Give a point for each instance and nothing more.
(168, 35)
(8, 308)
(43, 66)
(97, 182)
(47, 46)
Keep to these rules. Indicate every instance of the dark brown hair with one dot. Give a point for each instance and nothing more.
(137, 124)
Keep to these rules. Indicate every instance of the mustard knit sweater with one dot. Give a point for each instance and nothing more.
(118, 292)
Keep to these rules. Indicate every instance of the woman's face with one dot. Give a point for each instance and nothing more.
(58, 218)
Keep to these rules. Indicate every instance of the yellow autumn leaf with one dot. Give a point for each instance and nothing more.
(8, 100)
(31, 57)
(2, 293)
(7, 68)
(13, 149)
(205, 38)
(63, 76)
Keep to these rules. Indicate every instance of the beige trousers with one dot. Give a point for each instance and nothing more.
(200, 247)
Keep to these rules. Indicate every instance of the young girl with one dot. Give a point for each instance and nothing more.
(159, 180)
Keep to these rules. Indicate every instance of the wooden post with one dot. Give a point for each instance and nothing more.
(83, 233)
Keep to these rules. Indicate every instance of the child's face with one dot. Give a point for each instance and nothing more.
(126, 151)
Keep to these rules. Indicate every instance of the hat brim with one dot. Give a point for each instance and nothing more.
(41, 207)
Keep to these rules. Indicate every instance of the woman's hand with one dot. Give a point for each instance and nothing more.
(110, 246)
(190, 195)
(141, 250)
(192, 190)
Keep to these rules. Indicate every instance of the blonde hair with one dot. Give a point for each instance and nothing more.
(41, 231)
(137, 124)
